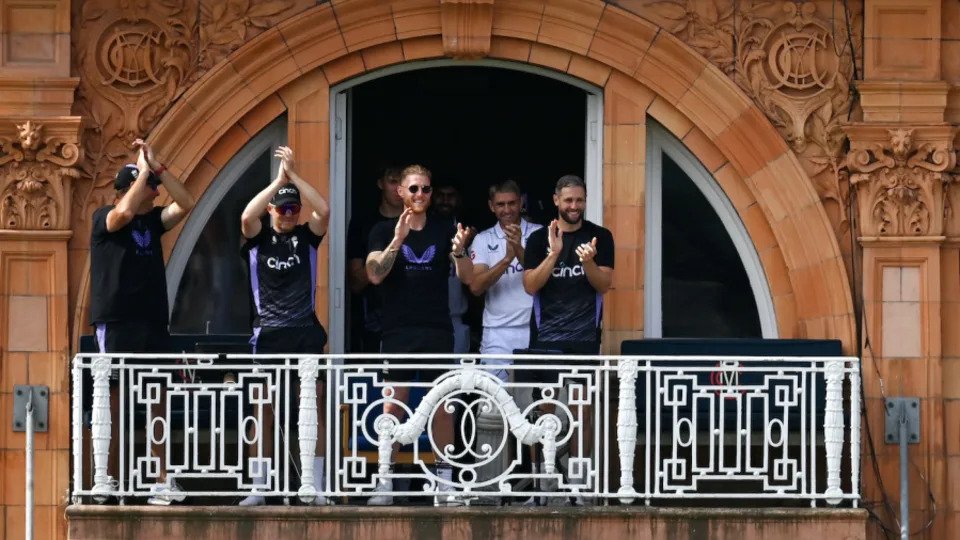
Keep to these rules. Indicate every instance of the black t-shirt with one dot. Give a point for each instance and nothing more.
(283, 276)
(358, 238)
(127, 278)
(567, 310)
(414, 293)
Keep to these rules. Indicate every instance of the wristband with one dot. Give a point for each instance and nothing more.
(159, 170)
(460, 256)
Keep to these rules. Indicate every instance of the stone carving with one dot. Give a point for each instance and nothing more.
(35, 175)
(794, 61)
(136, 58)
(900, 184)
(466, 26)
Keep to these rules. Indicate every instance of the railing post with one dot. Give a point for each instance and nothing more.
(627, 426)
(307, 426)
(855, 430)
(100, 428)
(833, 429)
(551, 427)
(77, 429)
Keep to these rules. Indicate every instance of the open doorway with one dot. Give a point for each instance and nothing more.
(471, 126)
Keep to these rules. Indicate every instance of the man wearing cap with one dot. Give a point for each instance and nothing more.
(283, 281)
(128, 284)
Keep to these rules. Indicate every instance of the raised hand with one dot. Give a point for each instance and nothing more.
(587, 250)
(142, 145)
(514, 247)
(143, 163)
(554, 237)
(285, 155)
(402, 229)
(460, 239)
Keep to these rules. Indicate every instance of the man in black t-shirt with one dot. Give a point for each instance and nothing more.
(358, 237)
(568, 268)
(283, 282)
(128, 285)
(410, 260)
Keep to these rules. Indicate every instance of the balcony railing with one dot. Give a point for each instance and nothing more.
(624, 428)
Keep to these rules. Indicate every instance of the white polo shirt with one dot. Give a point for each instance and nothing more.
(506, 303)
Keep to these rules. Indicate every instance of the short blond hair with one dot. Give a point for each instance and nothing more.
(415, 169)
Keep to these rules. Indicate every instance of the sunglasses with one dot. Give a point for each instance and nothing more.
(290, 208)
(416, 188)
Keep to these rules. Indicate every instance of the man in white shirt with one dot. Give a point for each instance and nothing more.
(497, 256)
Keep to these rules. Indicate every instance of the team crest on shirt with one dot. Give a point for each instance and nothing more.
(294, 241)
(418, 262)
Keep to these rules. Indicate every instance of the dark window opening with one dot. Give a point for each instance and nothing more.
(705, 289)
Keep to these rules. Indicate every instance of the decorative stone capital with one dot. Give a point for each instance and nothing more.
(901, 178)
(466, 26)
(37, 163)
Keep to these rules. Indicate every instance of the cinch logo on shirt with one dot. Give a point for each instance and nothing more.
(563, 271)
(421, 262)
(514, 268)
(277, 264)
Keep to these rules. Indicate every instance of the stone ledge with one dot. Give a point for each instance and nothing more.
(546, 523)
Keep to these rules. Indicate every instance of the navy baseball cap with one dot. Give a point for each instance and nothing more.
(286, 195)
(128, 175)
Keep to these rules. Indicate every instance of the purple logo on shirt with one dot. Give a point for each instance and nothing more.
(142, 239)
(412, 257)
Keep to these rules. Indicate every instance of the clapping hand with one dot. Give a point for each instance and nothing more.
(587, 250)
(460, 240)
(285, 155)
(514, 247)
(402, 228)
(554, 237)
(145, 148)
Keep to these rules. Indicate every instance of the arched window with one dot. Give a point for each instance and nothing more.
(703, 276)
(207, 279)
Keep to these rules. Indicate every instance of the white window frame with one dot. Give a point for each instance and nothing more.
(660, 141)
(340, 180)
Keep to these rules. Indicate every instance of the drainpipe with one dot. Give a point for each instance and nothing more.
(28, 526)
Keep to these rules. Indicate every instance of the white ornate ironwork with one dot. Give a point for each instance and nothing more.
(702, 427)
(307, 424)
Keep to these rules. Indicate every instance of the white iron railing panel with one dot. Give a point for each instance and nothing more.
(682, 427)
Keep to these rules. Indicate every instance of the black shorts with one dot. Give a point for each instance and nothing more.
(132, 337)
(414, 340)
(554, 348)
(290, 340)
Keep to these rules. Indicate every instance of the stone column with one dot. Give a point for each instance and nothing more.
(902, 166)
(39, 150)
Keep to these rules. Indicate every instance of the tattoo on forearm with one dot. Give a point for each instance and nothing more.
(382, 267)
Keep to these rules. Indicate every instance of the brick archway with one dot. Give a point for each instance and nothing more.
(643, 72)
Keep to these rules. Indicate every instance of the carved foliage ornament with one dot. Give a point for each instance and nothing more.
(900, 185)
(136, 58)
(35, 175)
(793, 61)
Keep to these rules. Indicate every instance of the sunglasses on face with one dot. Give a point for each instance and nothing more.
(416, 188)
(291, 208)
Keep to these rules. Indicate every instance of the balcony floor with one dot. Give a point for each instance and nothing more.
(545, 523)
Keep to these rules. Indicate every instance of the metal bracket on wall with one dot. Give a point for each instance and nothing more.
(41, 398)
(894, 407)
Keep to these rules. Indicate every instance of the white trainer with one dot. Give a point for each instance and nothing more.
(382, 495)
(166, 494)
